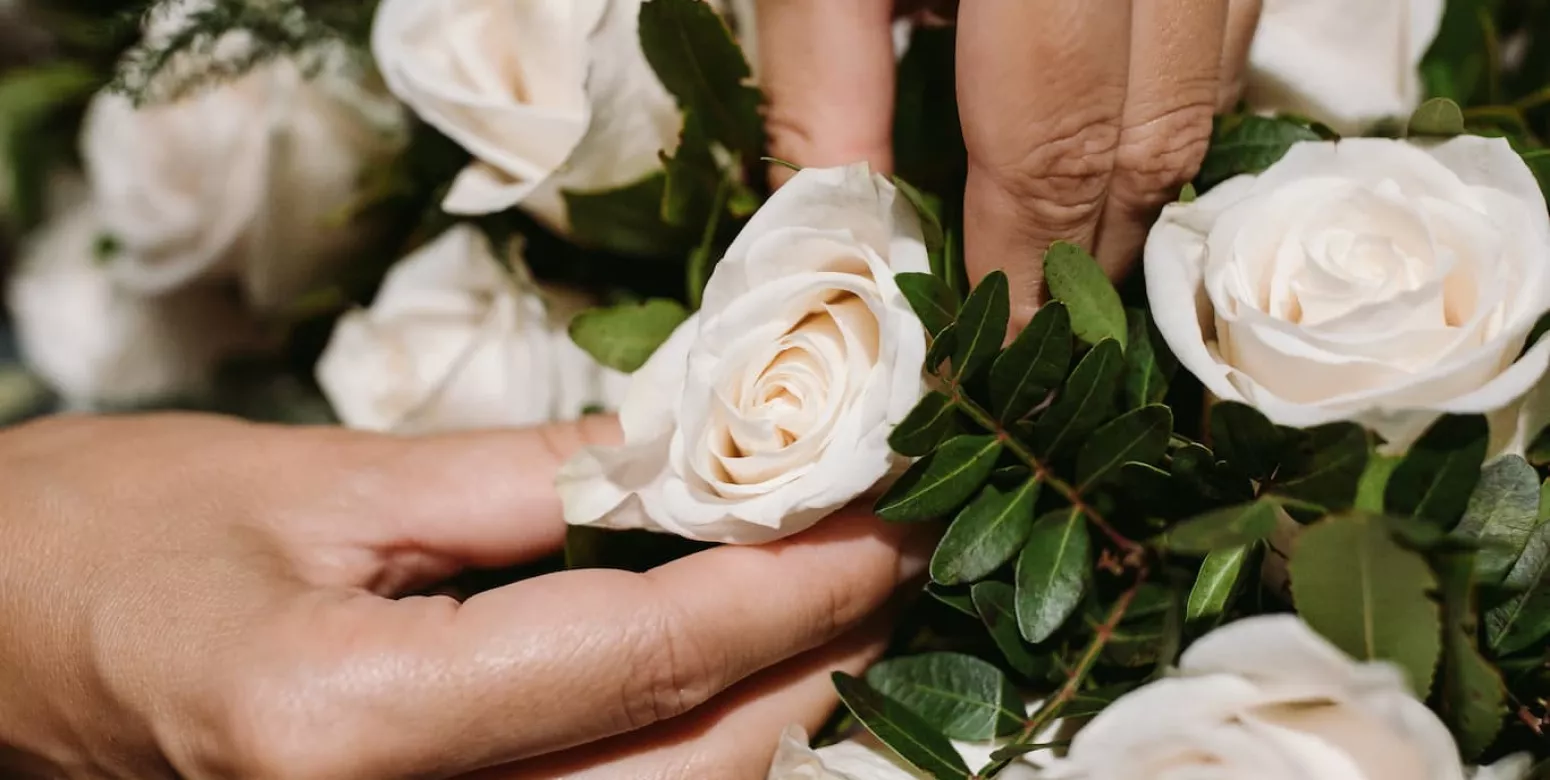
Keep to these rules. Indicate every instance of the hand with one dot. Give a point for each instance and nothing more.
(1082, 117)
(196, 597)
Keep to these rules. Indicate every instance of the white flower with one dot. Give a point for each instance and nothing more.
(1368, 280)
(547, 95)
(1267, 698)
(456, 341)
(101, 345)
(771, 407)
(865, 758)
(1346, 63)
(250, 179)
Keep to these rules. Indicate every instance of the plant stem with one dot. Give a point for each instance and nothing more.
(1042, 471)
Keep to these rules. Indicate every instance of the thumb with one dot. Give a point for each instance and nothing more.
(828, 69)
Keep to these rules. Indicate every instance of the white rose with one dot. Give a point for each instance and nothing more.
(1346, 63)
(455, 341)
(771, 407)
(1267, 698)
(101, 345)
(1368, 280)
(547, 95)
(250, 179)
(864, 757)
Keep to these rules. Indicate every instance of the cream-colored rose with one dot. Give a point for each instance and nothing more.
(1346, 63)
(1267, 698)
(547, 95)
(771, 407)
(1370, 280)
(251, 179)
(100, 345)
(865, 758)
(454, 341)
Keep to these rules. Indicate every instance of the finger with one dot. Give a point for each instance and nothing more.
(571, 657)
(1175, 73)
(468, 499)
(732, 737)
(1041, 89)
(828, 71)
(1242, 21)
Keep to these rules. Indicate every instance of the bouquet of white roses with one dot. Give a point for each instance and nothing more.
(1319, 550)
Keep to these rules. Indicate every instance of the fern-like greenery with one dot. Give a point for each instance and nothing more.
(220, 40)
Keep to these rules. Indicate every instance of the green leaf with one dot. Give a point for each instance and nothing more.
(1139, 436)
(996, 603)
(692, 175)
(924, 427)
(982, 325)
(1075, 279)
(958, 599)
(1374, 482)
(1149, 365)
(1245, 441)
(1032, 366)
(627, 220)
(1438, 117)
(930, 221)
(30, 98)
(1502, 515)
(936, 485)
(1216, 584)
(933, 302)
(1474, 698)
(1084, 402)
(1324, 466)
(900, 729)
(624, 337)
(1355, 585)
(1248, 144)
(696, 58)
(960, 695)
(941, 348)
(1223, 529)
(988, 533)
(1188, 194)
(1438, 474)
(1052, 573)
(1524, 620)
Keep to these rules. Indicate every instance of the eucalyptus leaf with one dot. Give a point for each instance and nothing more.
(1501, 516)
(904, 732)
(1084, 402)
(988, 532)
(1034, 364)
(996, 603)
(939, 483)
(1439, 472)
(1244, 440)
(1473, 698)
(1524, 620)
(624, 337)
(1137, 436)
(933, 302)
(1369, 596)
(1323, 466)
(1052, 573)
(1075, 279)
(1248, 144)
(924, 427)
(960, 695)
(982, 325)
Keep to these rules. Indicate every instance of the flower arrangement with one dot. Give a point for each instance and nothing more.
(1276, 507)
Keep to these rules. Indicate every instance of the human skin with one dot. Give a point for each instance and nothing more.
(197, 597)
(1082, 118)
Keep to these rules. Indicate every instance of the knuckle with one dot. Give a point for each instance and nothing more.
(674, 671)
(1157, 156)
(1061, 179)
